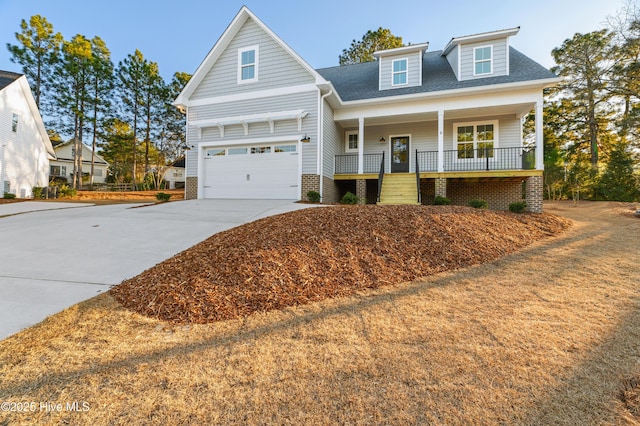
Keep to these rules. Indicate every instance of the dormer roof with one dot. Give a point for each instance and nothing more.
(359, 82)
(474, 38)
(401, 50)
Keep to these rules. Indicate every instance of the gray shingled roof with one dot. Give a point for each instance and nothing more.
(360, 81)
(7, 77)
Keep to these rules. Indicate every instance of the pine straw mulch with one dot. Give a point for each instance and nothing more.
(318, 253)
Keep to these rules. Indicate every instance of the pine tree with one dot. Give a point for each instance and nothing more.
(618, 182)
(584, 63)
(130, 79)
(37, 52)
(102, 83)
(372, 41)
(73, 80)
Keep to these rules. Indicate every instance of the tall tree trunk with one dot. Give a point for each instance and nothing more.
(95, 131)
(134, 163)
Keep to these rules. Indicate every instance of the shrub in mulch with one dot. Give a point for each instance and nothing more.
(314, 254)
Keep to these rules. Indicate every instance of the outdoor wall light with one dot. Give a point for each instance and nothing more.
(382, 140)
(305, 139)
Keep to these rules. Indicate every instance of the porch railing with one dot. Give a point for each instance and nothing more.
(347, 164)
(418, 178)
(478, 159)
(380, 176)
(454, 160)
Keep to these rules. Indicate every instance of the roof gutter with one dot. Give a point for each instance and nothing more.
(526, 85)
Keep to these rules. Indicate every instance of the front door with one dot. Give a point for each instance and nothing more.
(400, 154)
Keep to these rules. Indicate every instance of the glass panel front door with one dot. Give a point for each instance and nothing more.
(400, 154)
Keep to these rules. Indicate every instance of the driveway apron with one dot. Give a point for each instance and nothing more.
(53, 256)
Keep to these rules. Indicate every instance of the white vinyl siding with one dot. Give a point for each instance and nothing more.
(332, 141)
(400, 71)
(23, 156)
(497, 63)
(273, 62)
(307, 101)
(453, 58)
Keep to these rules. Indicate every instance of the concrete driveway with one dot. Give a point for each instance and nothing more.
(54, 255)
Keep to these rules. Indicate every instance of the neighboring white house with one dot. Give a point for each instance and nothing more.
(410, 126)
(62, 167)
(25, 148)
(174, 176)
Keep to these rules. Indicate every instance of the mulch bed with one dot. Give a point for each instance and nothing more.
(318, 253)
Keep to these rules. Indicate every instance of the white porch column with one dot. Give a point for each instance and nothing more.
(441, 141)
(539, 136)
(360, 145)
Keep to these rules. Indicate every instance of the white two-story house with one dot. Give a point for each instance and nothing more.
(413, 125)
(25, 148)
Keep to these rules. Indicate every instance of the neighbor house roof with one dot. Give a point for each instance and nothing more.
(86, 148)
(8, 77)
(361, 81)
(180, 162)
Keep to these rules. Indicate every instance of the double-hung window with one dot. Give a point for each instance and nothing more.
(248, 64)
(351, 141)
(476, 140)
(482, 60)
(399, 73)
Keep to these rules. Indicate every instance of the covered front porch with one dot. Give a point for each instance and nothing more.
(475, 140)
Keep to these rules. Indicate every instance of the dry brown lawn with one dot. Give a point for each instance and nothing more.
(127, 196)
(547, 335)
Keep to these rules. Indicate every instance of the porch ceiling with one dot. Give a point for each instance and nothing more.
(517, 110)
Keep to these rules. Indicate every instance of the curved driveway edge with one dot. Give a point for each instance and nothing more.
(53, 259)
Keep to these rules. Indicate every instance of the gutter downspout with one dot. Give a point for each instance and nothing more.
(321, 143)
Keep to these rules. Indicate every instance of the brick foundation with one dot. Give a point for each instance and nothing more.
(361, 190)
(497, 192)
(309, 183)
(427, 191)
(191, 188)
(534, 193)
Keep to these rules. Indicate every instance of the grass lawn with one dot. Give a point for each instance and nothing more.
(547, 335)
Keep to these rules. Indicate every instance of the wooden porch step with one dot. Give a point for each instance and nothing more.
(399, 189)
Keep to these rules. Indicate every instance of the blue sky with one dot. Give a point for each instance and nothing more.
(178, 34)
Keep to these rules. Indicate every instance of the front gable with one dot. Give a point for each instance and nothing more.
(66, 152)
(247, 58)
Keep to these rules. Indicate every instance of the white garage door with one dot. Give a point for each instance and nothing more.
(252, 172)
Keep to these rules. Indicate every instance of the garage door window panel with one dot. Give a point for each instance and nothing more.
(215, 152)
(261, 150)
(237, 151)
(286, 148)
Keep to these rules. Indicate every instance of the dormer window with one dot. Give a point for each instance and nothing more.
(399, 74)
(483, 60)
(248, 64)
